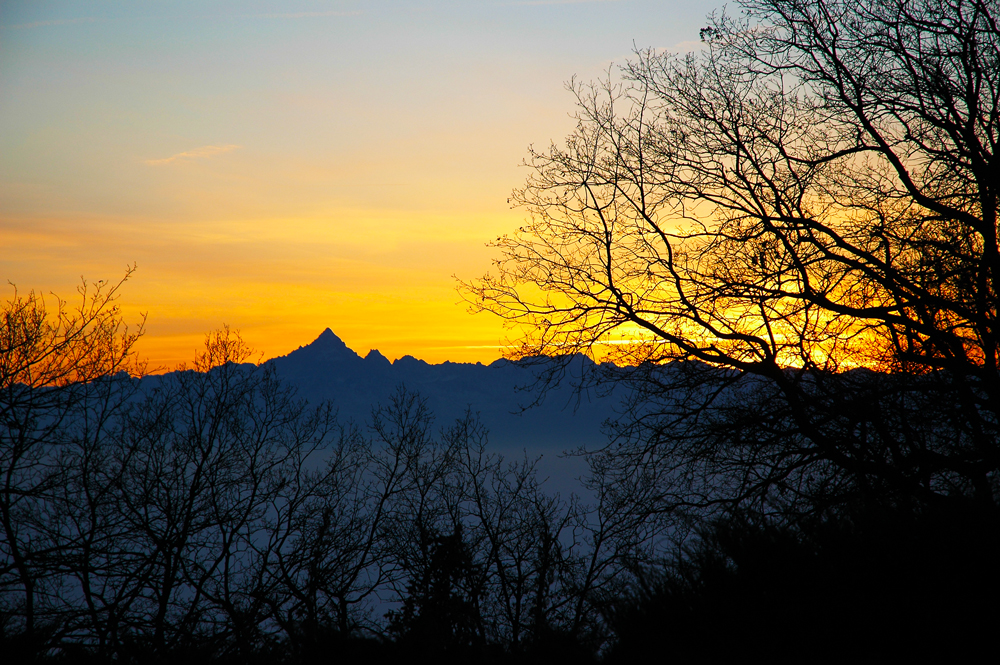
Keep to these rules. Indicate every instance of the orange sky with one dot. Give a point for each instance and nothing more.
(286, 167)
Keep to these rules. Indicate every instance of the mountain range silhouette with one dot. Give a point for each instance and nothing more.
(327, 369)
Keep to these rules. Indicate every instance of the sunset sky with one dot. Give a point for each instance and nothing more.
(283, 167)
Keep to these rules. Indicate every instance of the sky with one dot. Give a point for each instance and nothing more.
(284, 167)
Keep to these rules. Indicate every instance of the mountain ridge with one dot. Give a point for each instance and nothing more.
(327, 369)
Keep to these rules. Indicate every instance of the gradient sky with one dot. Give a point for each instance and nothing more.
(283, 167)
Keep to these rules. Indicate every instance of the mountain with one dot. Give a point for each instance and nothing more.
(327, 369)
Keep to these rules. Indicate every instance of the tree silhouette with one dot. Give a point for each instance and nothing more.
(804, 216)
(441, 611)
(64, 375)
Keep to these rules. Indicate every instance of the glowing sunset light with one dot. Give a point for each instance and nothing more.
(284, 167)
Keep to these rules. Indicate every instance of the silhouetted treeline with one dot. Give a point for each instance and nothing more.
(208, 514)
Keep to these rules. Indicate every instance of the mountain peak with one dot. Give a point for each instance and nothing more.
(376, 357)
(329, 338)
(330, 347)
(325, 349)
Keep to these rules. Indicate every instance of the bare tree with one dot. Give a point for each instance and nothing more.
(348, 533)
(520, 537)
(199, 465)
(64, 372)
(804, 214)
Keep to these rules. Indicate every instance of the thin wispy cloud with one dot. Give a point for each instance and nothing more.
(306, 14)
(204, 152)
(42, 24)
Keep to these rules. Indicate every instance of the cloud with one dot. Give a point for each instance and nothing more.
(204, 152)
(305, 14)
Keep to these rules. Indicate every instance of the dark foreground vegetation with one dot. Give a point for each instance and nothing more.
(210, 517)
(792, 241)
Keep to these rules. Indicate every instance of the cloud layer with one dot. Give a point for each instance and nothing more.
(204, 152)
